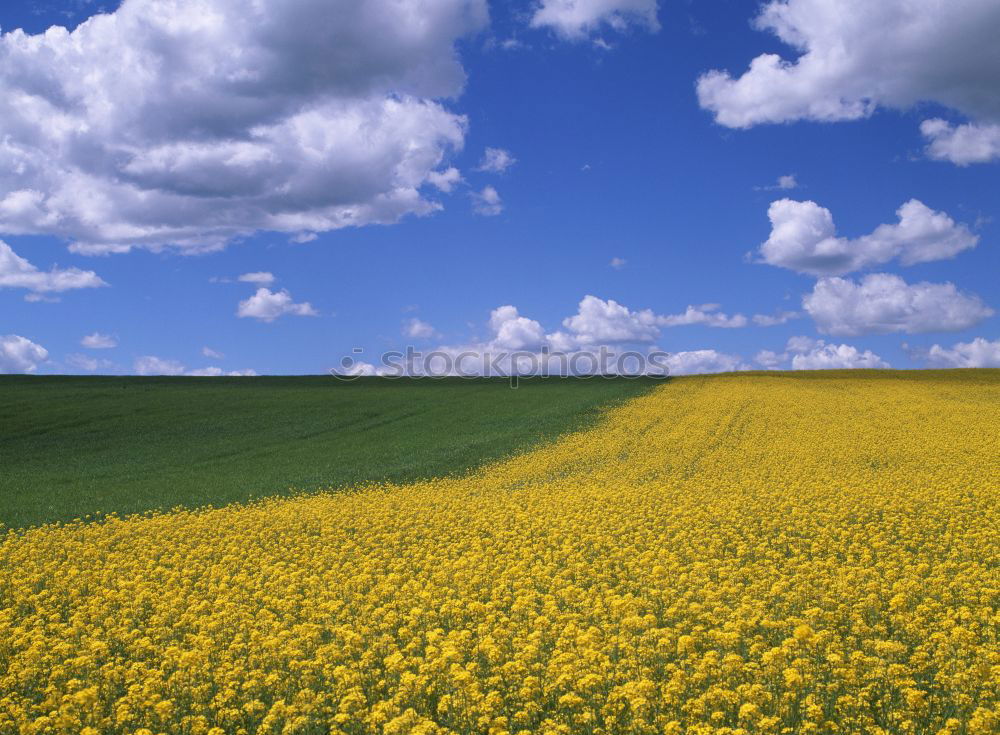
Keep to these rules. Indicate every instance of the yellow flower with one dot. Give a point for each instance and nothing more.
(732, 554)
(793, 677)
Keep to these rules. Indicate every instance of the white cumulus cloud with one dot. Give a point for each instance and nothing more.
(496, 160)
(788, 181)
(262, 278)
(487, 202)
(98, 341)
(881, 303)
(801, 343)
(445, 180)
(152, 365)
(770, 359)
(578, 19)
(961, 144)
(608, 322)
(706, 314)
(979, 353)
(597, 340)
(772, 320)
(419, 329)
(511, 331)
(807, 353)
(87, 363)
(212, 354)
(186, 123)
(837, 357)
(206, 372)
(83, 362)
(20, 355)
(267, 305)
(703, 361)
(17, 272)
(803, 238)
(853, 56)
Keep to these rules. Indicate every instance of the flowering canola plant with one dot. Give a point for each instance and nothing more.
(738, 554)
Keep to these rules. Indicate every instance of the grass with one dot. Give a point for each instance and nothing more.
(73, 446)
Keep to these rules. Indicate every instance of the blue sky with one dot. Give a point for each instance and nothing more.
(619, 154)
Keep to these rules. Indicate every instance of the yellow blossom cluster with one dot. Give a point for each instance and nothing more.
(727, 555)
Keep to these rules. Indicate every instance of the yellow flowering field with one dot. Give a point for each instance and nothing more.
(733, 554)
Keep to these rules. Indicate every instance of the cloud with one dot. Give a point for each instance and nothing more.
(39, 298)
(360, 368)
(788, 181)
(596, 341)
(961, 144)
(98, 341)
(803, 239)
(83, 362)
(772, 320)
(618, 263)
(207, 372)
(979, 353)
(486, 359)
(445, 180)
(16, 272)
(496, 160)
(769, 359)
(837, 357)
(883, 303)
(267, 305)
(212, 354)
(802, 343)
(152, 365)
(858, 56)
(419, 329)
(706, 314)
(262, 278)
(214, 372)
(487, 202)
(608, 322)
(87, 363)
(703, 361)
(807, 353)
(506, 44)
(191, 123)
(578, 19)
(514, 332)
(20, 355)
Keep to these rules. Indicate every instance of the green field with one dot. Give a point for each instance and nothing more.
(72, 446)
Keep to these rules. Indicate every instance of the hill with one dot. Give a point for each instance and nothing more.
(71, 446)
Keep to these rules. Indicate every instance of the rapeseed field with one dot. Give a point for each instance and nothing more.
(737, 554)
